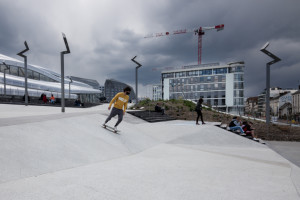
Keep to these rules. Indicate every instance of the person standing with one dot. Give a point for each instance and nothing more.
(120, 104)
(199, 111)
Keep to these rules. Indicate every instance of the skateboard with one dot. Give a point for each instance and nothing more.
(110, 129)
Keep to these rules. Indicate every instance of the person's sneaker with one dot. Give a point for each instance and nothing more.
(255, 139)
(242, 134)
(104, 125)
(115, 129)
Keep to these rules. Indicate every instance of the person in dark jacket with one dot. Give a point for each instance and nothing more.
(199, 111)
(159, 108)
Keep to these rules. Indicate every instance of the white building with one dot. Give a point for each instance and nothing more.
(157, 92)
(41, 81)
(220, 86)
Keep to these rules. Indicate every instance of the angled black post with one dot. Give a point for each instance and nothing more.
(7, 68)
(63, 73)
(25, 67)
(136, 77)
(276, 59)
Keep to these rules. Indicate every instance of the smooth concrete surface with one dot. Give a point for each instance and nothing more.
(289, 150)
(72, 157)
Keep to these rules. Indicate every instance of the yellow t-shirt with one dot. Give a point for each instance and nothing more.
(120, 100)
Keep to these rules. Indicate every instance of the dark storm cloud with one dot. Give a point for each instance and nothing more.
(104, 36)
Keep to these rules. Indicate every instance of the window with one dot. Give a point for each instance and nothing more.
(192, 73)
(29, 74)
(36, 75)
(207, 72)
(168, 75)
(14, 70)
(238, 77)
(220, 71)
(239, 85)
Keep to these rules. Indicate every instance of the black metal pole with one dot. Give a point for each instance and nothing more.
(136, 77)
(7, 68)
(62, 82)
(63, 73)
(268, 93)
(25, 66)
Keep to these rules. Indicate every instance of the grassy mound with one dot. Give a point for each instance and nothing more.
(185, 110)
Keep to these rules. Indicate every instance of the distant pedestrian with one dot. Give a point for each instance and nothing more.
(120, 105)
(199, 111)
(52, 99)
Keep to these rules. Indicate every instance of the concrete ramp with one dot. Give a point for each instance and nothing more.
(73, 157)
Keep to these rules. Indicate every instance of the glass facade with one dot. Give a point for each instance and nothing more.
(41, 80)
(112, 87)
(19, 71)
(206, 82)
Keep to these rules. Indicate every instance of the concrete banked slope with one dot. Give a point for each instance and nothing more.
(45, 154)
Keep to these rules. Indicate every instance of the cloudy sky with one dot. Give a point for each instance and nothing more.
(104, 35)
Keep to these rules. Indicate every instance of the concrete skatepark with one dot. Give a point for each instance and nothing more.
(46, 154)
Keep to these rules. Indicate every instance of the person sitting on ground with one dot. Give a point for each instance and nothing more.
(236, 125)
(52, 99)
(158, 108)
(249, 130)
(44, 98)
(77, 102)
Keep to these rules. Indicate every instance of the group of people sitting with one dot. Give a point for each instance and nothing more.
(45, 100)
(245, 128)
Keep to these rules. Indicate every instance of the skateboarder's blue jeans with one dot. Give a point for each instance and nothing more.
(236, 128)
(114, 112)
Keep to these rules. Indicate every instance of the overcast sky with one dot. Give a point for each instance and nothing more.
(104, 35)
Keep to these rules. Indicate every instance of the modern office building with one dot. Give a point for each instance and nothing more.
(112, 87)
(41, 80)
(157, 92)
(221, 86)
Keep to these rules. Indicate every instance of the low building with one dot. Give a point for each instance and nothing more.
(251, 107)
(41, 81)
(112, 87)
(275, 94)
(296, 105)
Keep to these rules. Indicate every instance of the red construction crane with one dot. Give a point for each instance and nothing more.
(199, 31)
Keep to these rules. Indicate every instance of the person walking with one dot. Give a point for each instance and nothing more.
(199, 111)
(120, 102)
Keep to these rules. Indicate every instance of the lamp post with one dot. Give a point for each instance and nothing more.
(25, 67)
(7, 68)
(276, 59)
(136, 77)
(70, 86)
(63, 73)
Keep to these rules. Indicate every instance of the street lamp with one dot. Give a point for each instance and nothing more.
(25, 66)
(63, 73)
(70, 86)
(276, 59)
(136, 77)
(7, 68)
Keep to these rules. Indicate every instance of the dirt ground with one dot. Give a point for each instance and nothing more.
(184, 110)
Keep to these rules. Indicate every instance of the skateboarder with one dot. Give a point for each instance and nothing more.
(120, 100)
